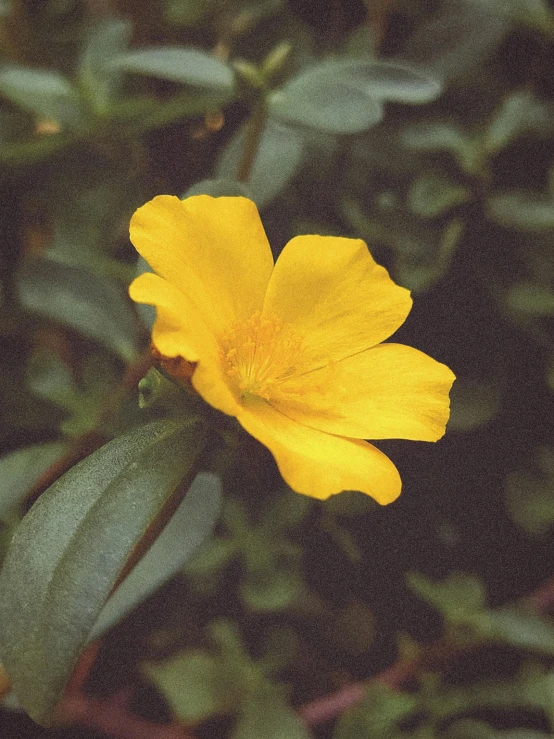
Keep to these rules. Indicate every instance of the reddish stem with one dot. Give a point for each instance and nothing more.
(330, 706)
(113, 717)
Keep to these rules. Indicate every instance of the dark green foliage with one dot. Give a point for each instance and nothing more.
(425, 128)
(70, 549)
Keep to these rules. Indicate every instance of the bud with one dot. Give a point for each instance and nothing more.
(274, 62)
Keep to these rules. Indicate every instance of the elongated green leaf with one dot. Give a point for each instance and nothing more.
(376, 714)
(179, 64)
(534, 13)
(98, 77)
(188, 527)
(329, 98)
(265, 714)
(529, 299)
(93, 305)
(525, 211)
(71, 547)
(43, 92)
(147, 313)
(431, 194)
(198, 684)
(439, 136)
(395, 81)
(453, 40)
(520, 112)
(519, 628)
(28, 152)
(459, 597)
(219, 188)
(346, 96)
(190, 13)
(20, 470)
(280, 153)
(195, 684)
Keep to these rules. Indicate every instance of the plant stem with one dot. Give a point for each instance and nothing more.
(377, 18)
(254, 130)
(434, 656)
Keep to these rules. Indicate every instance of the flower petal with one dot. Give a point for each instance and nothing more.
(319, 464)
(180, 332)
(214, 250)
(391, 391)
(335, 295)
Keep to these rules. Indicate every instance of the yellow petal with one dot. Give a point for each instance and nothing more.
(335, 295)
(180, 332)
(391, 391)
(316, 463)
(214, 250)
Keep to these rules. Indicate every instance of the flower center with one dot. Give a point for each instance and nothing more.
(264, 356)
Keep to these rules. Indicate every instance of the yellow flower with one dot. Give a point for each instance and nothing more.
(292, 349)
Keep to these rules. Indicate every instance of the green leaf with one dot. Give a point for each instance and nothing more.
(473, 403)
(530, 501)
(265, 714)
(526, 211)
(95, 306)
(349, 503)
(279, 155)
(268, 589)
(28, 152)
(147, 313)
(456, 38)
(519, 628)
(98, 77)
(534, 13)
(45, 93)
(144, 114)
(326, 97)
(192, 522)
(198, 685)
(436, 136)
(346, 96)
(188, 12)
(20, 470)
(194, 684)
(179, 64)
(219, 188)
(417, 266)
(70, 549)
(431, 195)
(376, 715)
(341, 536)
(288, 511)
(459, 597)
(520, 111)
(211, 557)
(395, 81)
(85, 217)
(529, 299)
(530, 690)
(50, 378)
(81, 398)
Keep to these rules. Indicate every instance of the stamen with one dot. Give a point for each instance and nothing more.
(266, 358)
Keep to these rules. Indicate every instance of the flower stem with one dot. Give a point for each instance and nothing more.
(377, 18)
(254, 130)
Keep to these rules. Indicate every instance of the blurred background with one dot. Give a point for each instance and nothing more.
(425, 127)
